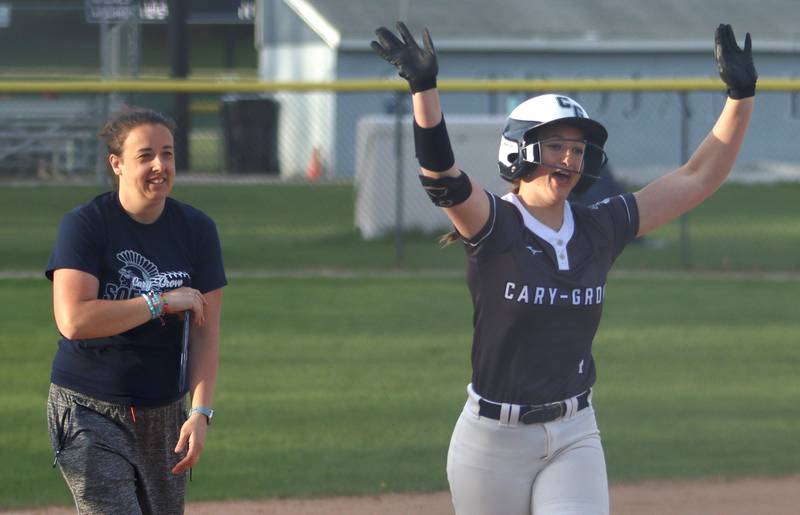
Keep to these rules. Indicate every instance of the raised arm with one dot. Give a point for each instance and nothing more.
(79, 314)
(462, 199)
(682, 190)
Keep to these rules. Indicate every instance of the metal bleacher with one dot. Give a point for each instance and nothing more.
(46, 137)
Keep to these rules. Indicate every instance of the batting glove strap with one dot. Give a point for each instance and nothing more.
(738, 94)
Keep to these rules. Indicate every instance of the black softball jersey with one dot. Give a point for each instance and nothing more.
(140, 366)
(538, 295)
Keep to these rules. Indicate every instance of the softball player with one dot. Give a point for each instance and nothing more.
(126, 267)
(527, 440)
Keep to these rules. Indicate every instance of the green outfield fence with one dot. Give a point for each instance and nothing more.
(358, 132)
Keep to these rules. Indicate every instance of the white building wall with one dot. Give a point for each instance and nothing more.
(306, 119)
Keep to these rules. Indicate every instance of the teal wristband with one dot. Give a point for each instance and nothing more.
(150, 306)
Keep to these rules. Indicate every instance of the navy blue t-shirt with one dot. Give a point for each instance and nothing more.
(140, 366)
(538, 295)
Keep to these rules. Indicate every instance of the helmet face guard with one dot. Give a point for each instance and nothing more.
(589, 157)
(521, 149)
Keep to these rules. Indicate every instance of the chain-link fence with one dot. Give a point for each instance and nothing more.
(278, 132)
(360, 133)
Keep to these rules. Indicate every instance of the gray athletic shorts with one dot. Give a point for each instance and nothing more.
(111, 463)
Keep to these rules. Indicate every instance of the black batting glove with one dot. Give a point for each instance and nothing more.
(735, 65)
(417, 65)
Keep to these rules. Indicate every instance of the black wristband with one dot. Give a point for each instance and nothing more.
(433, 148)
(740, 93)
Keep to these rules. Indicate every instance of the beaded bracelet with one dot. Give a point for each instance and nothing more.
(156, 303)
(150, 306)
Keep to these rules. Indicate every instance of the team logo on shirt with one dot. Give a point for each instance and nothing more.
(138, 275)
(597, 205)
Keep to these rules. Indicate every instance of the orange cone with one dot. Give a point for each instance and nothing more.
(314, 168)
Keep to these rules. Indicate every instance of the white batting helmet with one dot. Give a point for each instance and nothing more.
(541, 111)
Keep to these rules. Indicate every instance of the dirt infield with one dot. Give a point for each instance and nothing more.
(772, 496)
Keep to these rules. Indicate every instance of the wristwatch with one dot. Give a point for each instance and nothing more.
(208, 412)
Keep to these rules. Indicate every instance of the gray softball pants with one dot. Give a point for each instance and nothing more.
(554, 468)
(111, 463)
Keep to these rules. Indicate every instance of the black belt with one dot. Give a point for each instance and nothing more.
(533, 414)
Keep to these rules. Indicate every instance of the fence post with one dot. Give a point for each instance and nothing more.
(686, 114)
(399, 109)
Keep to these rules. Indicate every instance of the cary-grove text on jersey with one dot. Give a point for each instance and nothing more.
(547, 296)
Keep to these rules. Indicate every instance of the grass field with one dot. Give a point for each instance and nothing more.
(751, 228)
(352, 385)
(334, 386)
